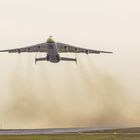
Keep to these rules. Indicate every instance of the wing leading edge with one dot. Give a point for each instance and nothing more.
(35, 48)
(62, 48)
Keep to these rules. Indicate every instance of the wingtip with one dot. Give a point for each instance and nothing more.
(108, 52)
(3, 51)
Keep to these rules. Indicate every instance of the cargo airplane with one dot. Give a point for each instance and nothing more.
(53, 50)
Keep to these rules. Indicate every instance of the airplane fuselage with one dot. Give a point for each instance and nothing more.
(52, 55)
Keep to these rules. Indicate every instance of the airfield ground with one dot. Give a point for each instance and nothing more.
(111, 134)
(74, 137)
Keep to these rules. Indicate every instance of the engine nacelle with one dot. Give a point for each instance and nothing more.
(19, 51)
(66, 48)
(76, 50)
(87, 51)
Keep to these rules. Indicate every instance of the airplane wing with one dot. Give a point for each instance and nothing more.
(42, 47)
(73, 49)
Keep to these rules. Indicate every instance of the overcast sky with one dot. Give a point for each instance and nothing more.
(98, 24)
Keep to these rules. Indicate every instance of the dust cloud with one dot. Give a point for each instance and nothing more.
(49, 95)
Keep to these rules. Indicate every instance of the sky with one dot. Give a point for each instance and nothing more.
(65, 94)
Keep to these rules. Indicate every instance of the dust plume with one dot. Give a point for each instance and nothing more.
(49, 95)
(23, 105)
(104, 97)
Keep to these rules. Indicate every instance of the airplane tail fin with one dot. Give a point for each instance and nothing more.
(36, 60)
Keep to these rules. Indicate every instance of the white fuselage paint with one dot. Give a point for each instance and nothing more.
(52, 54)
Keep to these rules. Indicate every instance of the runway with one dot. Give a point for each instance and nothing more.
(47, 131)
(90, 130)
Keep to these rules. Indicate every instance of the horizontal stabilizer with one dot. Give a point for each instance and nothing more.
(68, 59)
(40, 59)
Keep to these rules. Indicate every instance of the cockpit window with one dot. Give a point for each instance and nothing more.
(50, 40)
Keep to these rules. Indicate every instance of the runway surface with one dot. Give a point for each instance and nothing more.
(47, 131)
(133, 130)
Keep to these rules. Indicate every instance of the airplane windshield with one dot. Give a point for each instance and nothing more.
(50, 40)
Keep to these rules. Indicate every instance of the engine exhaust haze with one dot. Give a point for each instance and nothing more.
(48, 95)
